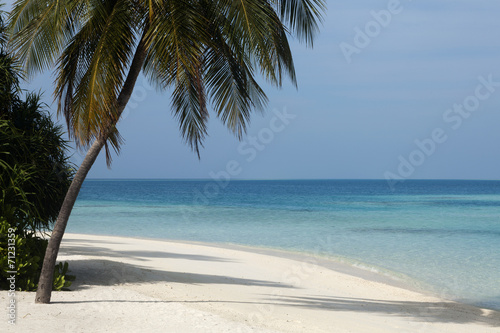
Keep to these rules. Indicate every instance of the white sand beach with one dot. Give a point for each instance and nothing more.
(139, 285)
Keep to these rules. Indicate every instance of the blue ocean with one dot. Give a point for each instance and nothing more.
(442, 236)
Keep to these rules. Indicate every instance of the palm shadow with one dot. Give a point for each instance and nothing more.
(143, 255)
(445, 312)
(97, 272)
(68, 239)
(101, 272)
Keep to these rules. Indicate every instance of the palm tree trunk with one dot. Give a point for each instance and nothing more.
(44, 291)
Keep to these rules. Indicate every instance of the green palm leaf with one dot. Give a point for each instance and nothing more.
(207, 52)
(92, 69)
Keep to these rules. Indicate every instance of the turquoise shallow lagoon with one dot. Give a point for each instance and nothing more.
(442, 236)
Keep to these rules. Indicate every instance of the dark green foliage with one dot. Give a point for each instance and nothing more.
(26, 256)
(34, 171)
(34, 176)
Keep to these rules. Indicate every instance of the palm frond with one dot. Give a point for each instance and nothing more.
(174, 40)
(207, 51)
(189, 108)
(233, 90)
(302, 16)
(41, 30)
(175, 58)
(92, 70)
(252, 28)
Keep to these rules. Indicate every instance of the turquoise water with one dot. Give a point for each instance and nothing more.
(443, 236)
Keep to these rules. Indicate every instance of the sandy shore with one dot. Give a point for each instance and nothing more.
(137, 285)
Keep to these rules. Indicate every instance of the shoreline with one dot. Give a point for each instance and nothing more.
(152, 285)
(350, 267)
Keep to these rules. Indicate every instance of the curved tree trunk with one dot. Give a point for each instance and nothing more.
(44, 291)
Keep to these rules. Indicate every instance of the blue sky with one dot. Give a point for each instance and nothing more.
(417, 98)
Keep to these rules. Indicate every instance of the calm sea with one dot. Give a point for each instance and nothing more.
(443, 236)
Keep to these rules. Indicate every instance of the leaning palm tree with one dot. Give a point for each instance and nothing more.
(208, 52)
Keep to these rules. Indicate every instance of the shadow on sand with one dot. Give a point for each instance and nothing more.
(143, 255)
(95, 271)
(444, 312)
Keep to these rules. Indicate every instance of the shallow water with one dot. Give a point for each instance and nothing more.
(443, 236)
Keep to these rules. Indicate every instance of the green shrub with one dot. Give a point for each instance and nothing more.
(26, 260)
(62, 280)
(35, 174)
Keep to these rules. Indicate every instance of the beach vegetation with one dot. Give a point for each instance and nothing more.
(34, 176)
(21, 258)
(209, 55)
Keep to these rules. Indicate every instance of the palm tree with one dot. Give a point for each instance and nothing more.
(208, 51)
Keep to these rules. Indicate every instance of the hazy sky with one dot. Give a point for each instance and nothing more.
(407, 89)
